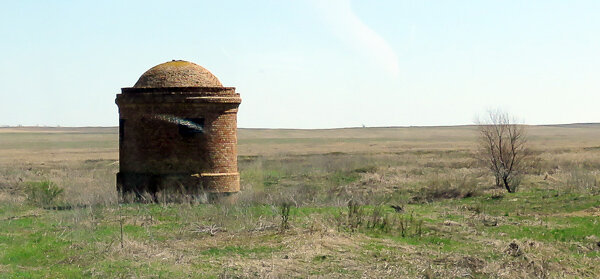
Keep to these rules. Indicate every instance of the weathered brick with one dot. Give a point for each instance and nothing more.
(160, 143)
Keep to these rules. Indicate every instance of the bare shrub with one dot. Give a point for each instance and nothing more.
(503, 148)
(285, 215)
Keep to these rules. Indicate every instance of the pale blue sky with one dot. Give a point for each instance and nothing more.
(309, 64)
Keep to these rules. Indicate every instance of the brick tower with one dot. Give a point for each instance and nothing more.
(177, 132)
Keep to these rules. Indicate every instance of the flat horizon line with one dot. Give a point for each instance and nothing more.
(337, 128)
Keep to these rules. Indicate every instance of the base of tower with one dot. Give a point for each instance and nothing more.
(145, 187)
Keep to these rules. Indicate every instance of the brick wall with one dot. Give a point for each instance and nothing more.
(155, 155)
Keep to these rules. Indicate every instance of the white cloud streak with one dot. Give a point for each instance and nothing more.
(349, 27)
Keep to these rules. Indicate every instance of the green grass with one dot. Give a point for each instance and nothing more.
(64, 243)
(318, 172)
(552, 229)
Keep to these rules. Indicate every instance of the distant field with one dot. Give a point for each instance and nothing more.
(341, 185)
(42, 141)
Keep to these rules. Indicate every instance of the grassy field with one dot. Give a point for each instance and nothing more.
(362, 202)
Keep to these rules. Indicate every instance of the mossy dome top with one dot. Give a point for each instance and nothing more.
(177, 73)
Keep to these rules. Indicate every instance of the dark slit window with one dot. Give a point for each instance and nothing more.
(191, 126)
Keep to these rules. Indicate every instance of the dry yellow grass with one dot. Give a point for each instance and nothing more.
(85, 160)
(317, 170)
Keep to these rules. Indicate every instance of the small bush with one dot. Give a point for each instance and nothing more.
(43, 193)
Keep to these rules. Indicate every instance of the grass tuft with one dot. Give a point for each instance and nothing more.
(45, 194)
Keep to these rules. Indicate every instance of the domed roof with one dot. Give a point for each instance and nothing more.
(177, 73)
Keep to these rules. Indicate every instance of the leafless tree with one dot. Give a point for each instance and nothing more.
(503, 148)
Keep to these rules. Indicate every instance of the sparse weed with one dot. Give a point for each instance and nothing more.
(285, 215)
(44, 194)
(409, 226)
(355, 216)
(377, 219)
(448, 188)
(581, 180)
